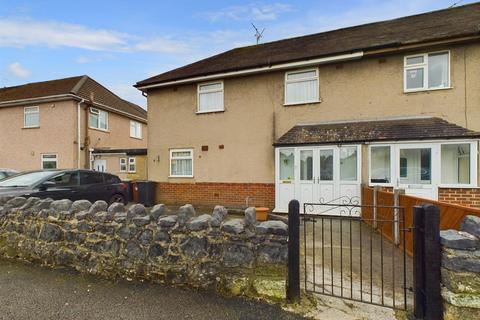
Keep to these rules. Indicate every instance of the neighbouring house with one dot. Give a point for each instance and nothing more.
(394, 103)
(72, 123)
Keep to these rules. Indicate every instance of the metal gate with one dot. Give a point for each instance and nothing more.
(354, 252)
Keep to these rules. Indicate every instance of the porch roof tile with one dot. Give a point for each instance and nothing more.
(421, 128)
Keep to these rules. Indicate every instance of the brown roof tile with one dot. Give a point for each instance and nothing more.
(374, 130)
(443, 24)
(81, 86)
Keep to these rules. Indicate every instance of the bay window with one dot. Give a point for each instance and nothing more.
(427, 71)
(181, 163)
(301, 87)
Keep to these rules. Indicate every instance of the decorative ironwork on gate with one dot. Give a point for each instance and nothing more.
(346, 255)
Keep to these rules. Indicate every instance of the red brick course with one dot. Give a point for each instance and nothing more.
(469, 197)
(213, 193)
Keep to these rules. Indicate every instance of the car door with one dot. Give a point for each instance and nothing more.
(92, 186)
(65, 186)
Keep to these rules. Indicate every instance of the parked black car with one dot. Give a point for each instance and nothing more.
(66, 184)
(4, 173)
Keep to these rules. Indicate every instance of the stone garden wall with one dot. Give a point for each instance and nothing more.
(461, 271)
(214, 252)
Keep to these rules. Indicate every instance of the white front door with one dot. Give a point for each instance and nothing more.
(100, 165)
(416, 167)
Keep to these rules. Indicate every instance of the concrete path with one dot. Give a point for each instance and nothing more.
(30, 292)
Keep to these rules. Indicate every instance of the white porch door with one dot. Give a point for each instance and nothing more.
(416, 167)
(100, 165)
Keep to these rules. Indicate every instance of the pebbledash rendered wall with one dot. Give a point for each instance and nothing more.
(461, 271)
(236, 256)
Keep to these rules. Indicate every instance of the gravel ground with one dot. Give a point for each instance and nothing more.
(31, 292)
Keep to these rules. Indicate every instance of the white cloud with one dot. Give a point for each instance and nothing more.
(251, 11)
(128, 92)
(18, 70)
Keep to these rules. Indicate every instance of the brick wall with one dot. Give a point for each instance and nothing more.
(212, 193)
(469, 197)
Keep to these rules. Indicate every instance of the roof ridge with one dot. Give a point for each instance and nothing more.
(79, 84)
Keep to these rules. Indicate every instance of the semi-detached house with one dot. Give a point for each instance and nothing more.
(394, 103)
(71, 123)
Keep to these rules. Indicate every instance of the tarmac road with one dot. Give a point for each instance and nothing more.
(31, 292)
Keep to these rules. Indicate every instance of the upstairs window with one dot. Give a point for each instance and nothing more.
(31, 117)
(427, 71)
(98, 119)
(210, 97)
(135, 129)
(301, 87)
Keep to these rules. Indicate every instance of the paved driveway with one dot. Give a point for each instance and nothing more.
(30, 292)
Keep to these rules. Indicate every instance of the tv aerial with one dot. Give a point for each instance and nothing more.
(258, 34)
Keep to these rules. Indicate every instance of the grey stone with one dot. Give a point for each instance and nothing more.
(125, 233)
(116, 207)
(199, 223)
(237, 255)
(250, 216)
(16, 202)
(272, 227)
(29, 203)
(272, 253)
(64, 257)
(120, 217)
(461, 260)
(102, 216)
(161, 235)
(61, 205)
(98, 206)
(134, 251)
(185, 213)
(168, 221)
(65, 215)
(156, 250)
(219, 214)
(157, 211)
(458, 240)
(5, 199)
(81, 205)
(146, 237)
(194, 247)
(83, 226)
(234, 226)
(471, 224)
(136, 210)
(41, 205)
(141, 221)
(50, 233)
(82, 215)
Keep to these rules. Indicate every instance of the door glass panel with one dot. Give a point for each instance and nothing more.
(326, 165)
(456, 163)
(286, 164)
(416, 166)
(380, 165)
(348, 163)
(306, 165)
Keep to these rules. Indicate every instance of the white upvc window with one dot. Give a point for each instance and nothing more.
(132, 165)
(427, 71)
(301, 87)
(381, 168)
(135, 129)
(49, 161)
(31, 117)
(123, 164)
(98, 119)
(210, 97)
(181, 163)
(458, 162)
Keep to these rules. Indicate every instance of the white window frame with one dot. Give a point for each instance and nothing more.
(424, 66)
(473, 165)
(49, 160)
(222, 90)
(392, 166)
(180, 158)
(31, 110)
(133, 125)
(132, 161)
(98, 112)
(301, 80)
(123, 162)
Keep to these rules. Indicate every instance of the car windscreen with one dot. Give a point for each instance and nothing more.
(25, 180)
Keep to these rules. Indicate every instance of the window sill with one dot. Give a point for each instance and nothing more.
(210, 111)
(136, 138)
(32, 127)
(426, 90)
(301, 103)
(182, 177)
(101, 130)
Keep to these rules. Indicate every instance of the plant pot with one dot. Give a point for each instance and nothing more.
(262, 213)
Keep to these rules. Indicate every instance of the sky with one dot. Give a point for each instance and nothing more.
(119, 42)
